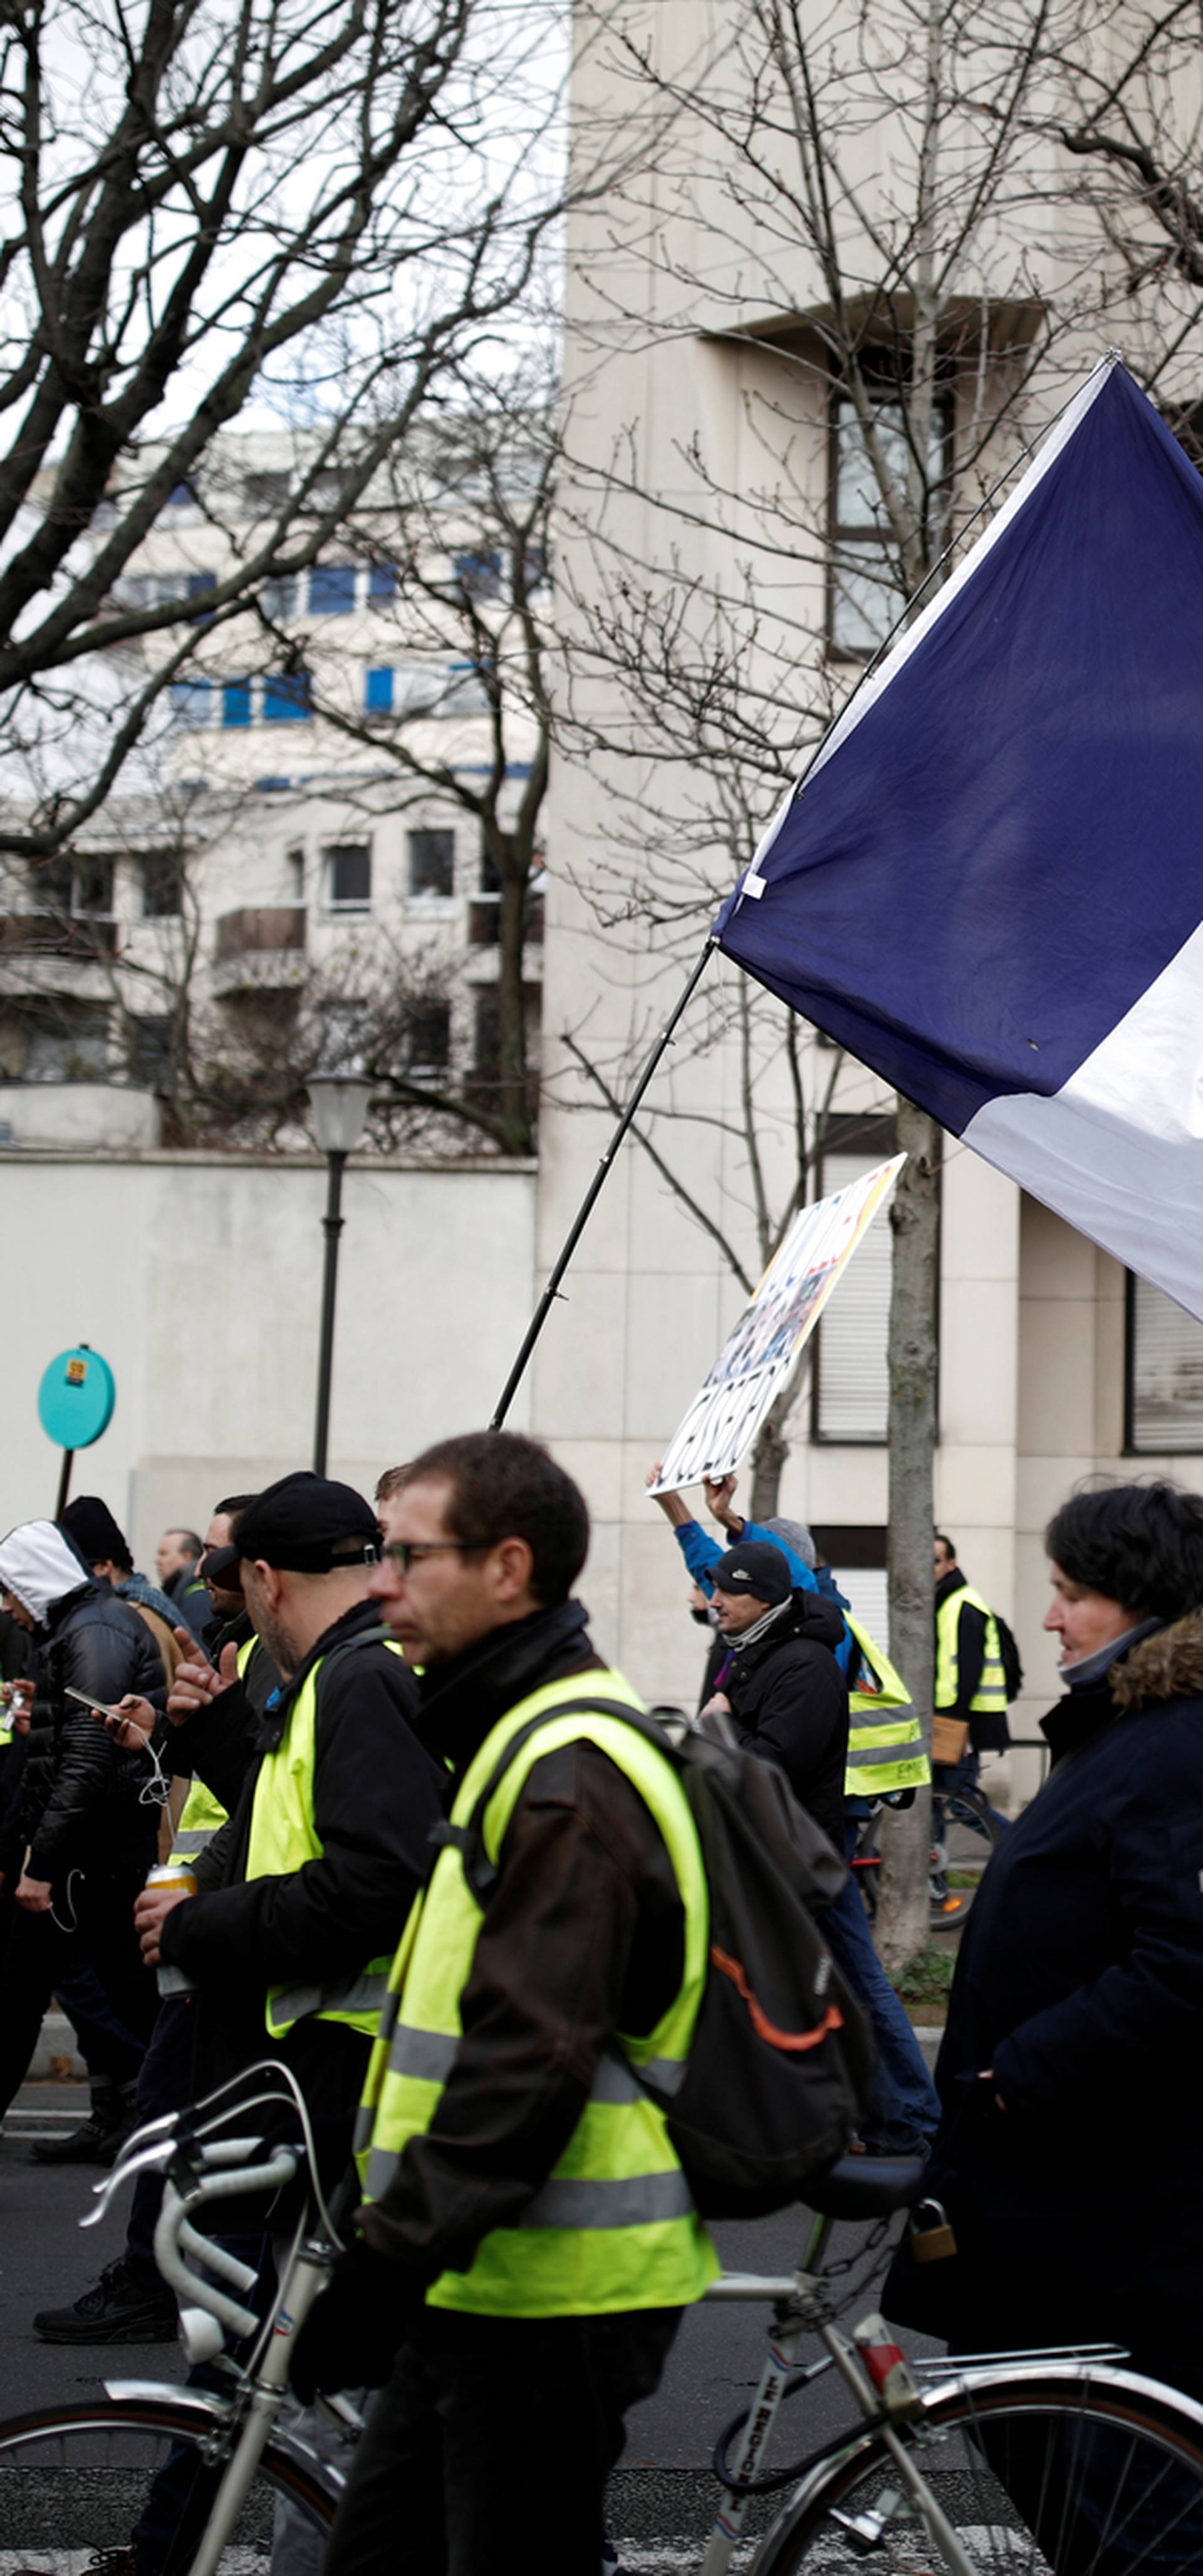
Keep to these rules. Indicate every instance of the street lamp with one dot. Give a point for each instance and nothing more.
(339, 1102)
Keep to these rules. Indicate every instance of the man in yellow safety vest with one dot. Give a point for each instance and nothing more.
(528, 2241)
(969, 1701)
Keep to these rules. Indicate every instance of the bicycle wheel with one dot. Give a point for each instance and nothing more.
(135, 2475)
(971, 1809)
(1082, 2473)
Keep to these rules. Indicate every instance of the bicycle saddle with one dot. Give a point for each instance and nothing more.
(866, 2186)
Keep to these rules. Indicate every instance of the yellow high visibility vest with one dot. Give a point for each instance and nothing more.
(991, 1692)
(614, 2226)
(885, 1739)
(203, 1815)
(283, 1837)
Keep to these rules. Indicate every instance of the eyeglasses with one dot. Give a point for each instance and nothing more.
(408, 1552)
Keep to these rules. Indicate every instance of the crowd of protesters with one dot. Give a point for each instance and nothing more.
(305, 1714)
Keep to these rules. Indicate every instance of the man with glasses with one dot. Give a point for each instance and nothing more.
(528, 2242)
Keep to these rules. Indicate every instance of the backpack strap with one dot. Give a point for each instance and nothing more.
(468, 1840)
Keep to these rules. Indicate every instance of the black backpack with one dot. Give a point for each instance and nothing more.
(1011, 1660)
(779, 2067)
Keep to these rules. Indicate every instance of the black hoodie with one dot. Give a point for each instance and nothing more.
(789, 1702)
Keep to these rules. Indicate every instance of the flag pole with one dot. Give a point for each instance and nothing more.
(596, 1185)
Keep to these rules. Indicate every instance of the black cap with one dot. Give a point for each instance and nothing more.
(754, 1567)
(91, 1524)
(310, 1525)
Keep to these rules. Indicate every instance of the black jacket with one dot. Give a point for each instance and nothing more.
(376, 1795)
(583, 1937)
(80, 1795)
(789, 1702)
(988, 1728)
(1080, 1984)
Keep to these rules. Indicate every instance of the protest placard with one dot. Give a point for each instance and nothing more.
(758, 1357)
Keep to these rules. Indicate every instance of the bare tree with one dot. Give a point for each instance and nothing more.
(259, 205)
(870, 211)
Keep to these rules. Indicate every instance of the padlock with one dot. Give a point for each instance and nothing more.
(932, 2239)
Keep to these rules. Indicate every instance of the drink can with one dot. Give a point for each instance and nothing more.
(173, 1873)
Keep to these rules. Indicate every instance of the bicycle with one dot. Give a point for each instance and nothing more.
(966, 1810)
(1039, 2464)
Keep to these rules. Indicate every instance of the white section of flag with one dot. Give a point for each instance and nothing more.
(1118, 1151)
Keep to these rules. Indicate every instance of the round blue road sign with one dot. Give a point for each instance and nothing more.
(76, 1398)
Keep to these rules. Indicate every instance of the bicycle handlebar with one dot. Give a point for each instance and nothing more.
(175, 2236)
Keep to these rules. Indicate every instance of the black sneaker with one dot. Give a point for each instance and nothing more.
(119, 2310)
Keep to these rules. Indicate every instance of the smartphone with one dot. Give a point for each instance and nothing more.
(100, 1704)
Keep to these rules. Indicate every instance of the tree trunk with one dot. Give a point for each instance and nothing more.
(902, 1918)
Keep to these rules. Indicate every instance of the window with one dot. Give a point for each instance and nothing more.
(1165, 1373)
(192, 704)
(162, 886)
(331, 590)
(378, 690)
(850, 1382)
(236, 702)
(182, 495)
(267, 492)
(281, 597)
(487, 1038)
(856, 1555)
(478, 573)
(50, 885)
(288, 698)
(148, 1051)
(92, 890)
(382, 581)
(349, 876)
(864, 598)
(431, 862)
(65, 1045)
(295, 869)
(199, 585)
(428, 1039)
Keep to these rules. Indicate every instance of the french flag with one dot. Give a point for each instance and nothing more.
(989, 886)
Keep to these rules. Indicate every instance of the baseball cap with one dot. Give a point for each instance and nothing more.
(756, 1567)
(309, 1525)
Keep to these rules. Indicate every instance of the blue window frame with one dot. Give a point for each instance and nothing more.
(236, 702)
(378, 690)
(287, 697)
(382, 581)
(331, 590)
(479, 573)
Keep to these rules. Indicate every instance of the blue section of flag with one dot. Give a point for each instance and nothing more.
(1007, 849)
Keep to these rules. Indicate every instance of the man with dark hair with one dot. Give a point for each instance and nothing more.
(177, 1566)
(528, 2241)
(969, 1702)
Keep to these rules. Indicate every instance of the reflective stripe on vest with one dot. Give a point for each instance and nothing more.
(202, 1815)
(613, 2227)
(884, 1751)
(991, 1692)
(283, 1837)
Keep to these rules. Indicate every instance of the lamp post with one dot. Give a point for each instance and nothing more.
(339, 1102)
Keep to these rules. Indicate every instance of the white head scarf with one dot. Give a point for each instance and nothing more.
(39, 1566)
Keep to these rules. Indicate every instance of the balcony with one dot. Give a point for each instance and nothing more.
(56, 934)
(260, 949)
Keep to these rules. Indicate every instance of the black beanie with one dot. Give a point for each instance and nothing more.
(92, 1526)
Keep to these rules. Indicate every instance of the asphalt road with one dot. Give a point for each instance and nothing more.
(663, 2495)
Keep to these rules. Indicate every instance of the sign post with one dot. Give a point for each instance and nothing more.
(75, 1404)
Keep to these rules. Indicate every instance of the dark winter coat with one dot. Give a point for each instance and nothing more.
(1077, 2208)
(376, 1794)
(789, 1702)
(80, 1795)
